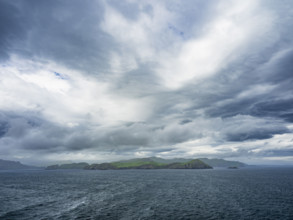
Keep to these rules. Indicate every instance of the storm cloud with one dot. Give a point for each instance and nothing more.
(106, 80)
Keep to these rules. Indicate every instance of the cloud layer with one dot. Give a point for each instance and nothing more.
(106, 80)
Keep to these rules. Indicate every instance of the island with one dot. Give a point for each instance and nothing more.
(15, 165)
(148, 163)
(152, 163)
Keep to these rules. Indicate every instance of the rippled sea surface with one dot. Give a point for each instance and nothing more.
(249, 193)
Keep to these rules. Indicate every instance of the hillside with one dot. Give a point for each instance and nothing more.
(148, 163)
(152, 163)
(211, 162)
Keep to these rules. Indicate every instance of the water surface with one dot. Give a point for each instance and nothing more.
(259, 193)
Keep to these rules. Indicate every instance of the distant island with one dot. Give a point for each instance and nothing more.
(138, 163)
(67, 166)
(148, 163)
(15, 165)
(153, 163)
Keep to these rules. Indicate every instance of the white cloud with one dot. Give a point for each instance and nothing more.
(143, 38)
(76, 99)
(221, 42)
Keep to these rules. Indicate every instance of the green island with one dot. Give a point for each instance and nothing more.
(147, 163)
(152, 163)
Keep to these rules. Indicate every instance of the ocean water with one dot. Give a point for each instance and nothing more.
(248, 193)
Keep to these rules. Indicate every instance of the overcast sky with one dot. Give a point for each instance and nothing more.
(109, 80)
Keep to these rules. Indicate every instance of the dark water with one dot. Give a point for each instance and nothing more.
(260, 193)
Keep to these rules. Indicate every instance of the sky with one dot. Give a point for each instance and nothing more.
(109, 80)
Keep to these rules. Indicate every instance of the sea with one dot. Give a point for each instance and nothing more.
(246, 193)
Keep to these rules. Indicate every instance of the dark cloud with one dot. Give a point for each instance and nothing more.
(257, 133)
(281, 68)
(272, 78)
(64, 31)
(28, 131)
(282, 108)
(16, 125)
(185, 121)
(13, 26)
(3, 128)
(261, 154)
(242, 128)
